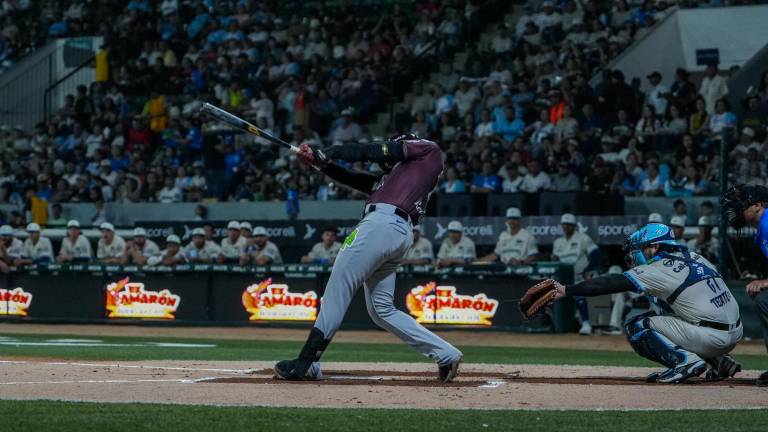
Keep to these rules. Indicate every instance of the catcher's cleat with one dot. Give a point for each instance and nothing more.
(681, 373)
(447, 372)
(292, 370)
(762, 380)
(726, 367)
(652, 377)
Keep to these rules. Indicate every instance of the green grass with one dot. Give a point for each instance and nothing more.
(356, 352)
(84, 417)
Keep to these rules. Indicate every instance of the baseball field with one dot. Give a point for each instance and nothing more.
(77, 377)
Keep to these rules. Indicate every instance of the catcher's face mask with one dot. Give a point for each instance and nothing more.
(638, 246)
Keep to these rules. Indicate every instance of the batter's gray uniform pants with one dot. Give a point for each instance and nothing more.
(368, 258)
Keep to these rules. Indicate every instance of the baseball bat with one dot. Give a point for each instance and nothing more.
(238, 123)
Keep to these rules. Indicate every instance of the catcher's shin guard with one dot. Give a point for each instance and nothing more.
(653, 345)
(311, 352)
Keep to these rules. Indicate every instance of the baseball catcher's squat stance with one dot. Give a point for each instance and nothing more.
(700, 323)
(371, 252)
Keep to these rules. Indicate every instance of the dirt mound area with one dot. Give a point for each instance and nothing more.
(392, 385)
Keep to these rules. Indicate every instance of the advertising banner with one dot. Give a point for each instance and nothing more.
(14, 302)
(126, 299)
(441, 304)
(284, 233)
(267, 301)
(157, 297)
(604, 230)
(264, 298)
(53, 296)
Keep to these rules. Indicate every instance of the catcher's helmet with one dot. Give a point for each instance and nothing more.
(738, 199)
(653, 233)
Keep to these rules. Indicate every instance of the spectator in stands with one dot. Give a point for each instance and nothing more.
(536, 180)
(140, 249)
(37, 249)
(324, 251)
(452, 183)
(456, 249)
(582, 253)
(706, 208)
(565, 180)
(111, 246)
(170, 193)
(486, 182)
(513, 181)
(200, 250)
(420, 252)
(677, 224)
(56, 220)
(652, 184)
(74, 247)
(11, 248)
(507, 125)
(515, 246)
(171, 255)
(657, 93)
(704, 244)
(345, 130)
(713, 87)
(262, 251)
(680, 209)
(233, 245)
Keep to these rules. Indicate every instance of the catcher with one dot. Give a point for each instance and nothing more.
(700, 323)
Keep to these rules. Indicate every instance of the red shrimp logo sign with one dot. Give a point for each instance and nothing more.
(14, 302)
(266, 301)
(126, 299)
(435, 304)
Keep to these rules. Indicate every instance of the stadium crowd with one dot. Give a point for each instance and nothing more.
(520, 116)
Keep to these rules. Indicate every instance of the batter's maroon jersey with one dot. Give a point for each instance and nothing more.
(410, 182)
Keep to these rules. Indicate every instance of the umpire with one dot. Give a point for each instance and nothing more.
(745, 205)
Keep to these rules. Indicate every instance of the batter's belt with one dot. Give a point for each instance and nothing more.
(398, 212)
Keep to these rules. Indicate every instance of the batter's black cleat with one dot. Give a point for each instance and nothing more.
(681, 373)
(292, 370)
(447, 372)
(726, 367)
(762, 380)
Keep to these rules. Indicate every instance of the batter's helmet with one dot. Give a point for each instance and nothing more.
(739, 198)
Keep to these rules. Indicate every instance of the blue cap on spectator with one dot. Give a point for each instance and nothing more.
(6, 231)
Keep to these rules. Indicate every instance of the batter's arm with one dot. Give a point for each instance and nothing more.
(360, 180)
(385, 151)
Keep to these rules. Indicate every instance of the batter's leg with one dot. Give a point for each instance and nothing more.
(374, 242)
(379, 298)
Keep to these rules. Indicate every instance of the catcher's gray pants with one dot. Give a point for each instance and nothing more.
(368, 258)
(707, 342)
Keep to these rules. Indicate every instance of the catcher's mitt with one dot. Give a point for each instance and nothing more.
(537, 298)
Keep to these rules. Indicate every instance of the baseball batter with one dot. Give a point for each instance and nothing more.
(745, 205)
(701, 324)
(372, 251)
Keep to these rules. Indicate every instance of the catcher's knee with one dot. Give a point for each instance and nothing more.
(638, 324)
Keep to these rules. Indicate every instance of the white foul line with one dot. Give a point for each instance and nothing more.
(111, 381)
(119, 366)
(493, 384)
